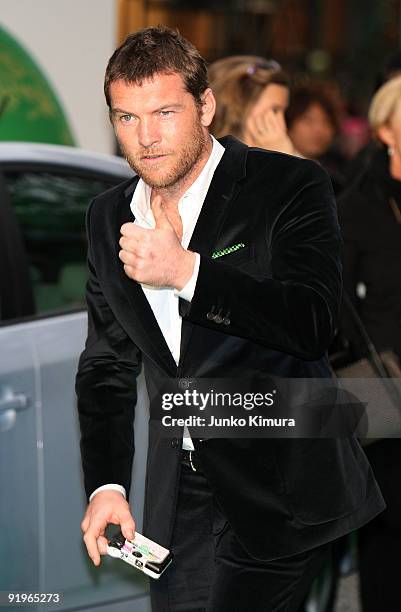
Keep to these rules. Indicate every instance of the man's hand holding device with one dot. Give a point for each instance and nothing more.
(111, 507)
(106, 507)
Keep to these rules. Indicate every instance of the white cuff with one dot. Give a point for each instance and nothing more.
(111, 487)
(187, 292)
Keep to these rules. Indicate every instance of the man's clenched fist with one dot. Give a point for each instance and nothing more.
(155, 256)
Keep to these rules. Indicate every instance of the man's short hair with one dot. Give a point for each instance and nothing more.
(154, 51)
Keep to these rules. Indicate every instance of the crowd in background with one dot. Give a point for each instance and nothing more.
(257, 103)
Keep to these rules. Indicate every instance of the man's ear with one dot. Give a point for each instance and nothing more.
(208, 107)
(385, 134)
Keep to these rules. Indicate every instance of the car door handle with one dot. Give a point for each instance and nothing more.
(13, 401)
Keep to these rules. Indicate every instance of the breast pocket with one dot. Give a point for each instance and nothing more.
(236, 257)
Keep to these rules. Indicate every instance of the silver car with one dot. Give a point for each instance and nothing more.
(45, 191)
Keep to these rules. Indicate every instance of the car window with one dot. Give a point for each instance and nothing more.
(49, 208)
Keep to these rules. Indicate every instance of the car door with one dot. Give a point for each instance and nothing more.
(42, 333)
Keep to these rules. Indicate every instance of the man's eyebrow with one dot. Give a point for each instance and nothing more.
(125, 112)
(172, 105)
(120, 110)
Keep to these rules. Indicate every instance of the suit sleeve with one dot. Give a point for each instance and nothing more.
(295, 307)
(106, 390)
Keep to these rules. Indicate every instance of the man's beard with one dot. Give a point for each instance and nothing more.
(187, 160)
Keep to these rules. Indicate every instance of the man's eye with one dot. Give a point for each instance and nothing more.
(166, 113)
(125, 118)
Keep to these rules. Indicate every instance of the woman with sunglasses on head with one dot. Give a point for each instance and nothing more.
(252, 95)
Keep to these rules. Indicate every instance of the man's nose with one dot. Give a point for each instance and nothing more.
(148, 133)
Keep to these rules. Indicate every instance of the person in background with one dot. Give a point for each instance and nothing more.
(370, 217)
(312, 126)
(252, 95)
(312, 121)
(391, 68)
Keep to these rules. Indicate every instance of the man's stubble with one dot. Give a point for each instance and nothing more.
(187, 160)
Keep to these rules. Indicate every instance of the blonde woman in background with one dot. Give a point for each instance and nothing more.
(252, 95)
(370, 218)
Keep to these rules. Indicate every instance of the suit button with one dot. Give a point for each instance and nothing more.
(184, 383)
(218, 319)
(174, 443)
(226, 321)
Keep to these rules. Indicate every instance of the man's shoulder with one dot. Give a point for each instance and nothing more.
(113, 195)
(265, 163)
(266, 166)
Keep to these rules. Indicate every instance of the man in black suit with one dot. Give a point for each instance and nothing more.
(216, 261)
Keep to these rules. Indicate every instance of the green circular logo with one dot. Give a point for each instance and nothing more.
(29, 108)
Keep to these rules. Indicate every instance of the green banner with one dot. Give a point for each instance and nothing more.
(29, 108)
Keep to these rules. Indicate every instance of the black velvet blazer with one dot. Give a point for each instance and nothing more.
(268, 308)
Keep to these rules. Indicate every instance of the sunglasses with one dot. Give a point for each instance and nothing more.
(267, 65)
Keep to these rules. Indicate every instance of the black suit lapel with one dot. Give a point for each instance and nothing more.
(151, 341)
(222, 192)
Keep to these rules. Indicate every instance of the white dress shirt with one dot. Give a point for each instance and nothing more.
(164, 301)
